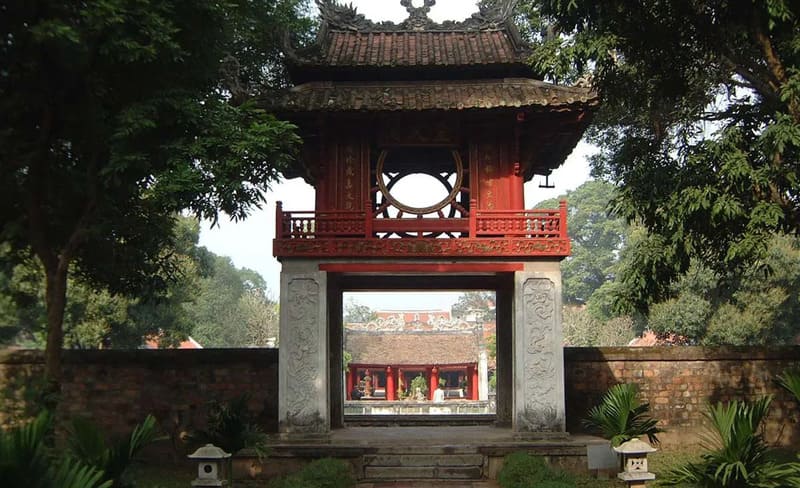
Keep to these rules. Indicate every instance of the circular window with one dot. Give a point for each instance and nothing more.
(403, 179)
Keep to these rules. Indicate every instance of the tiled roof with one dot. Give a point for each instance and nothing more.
(412, 348)
(428, 95)
(409, 49)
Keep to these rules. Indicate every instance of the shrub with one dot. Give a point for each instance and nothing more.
(321, 473)
(419, 382)
(88, 444)
(521, 470)
(231, 427)
(738, 455)
(25, 460)
(620, 417)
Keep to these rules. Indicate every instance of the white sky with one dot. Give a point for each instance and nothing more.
(249, 242)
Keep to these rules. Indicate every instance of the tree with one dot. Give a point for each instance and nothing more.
(475, 305)
(356, 313)
(597, 239)
(753, 307)
(95, 317)
(117, 115)
(582, 329)
(232, 308)
(699, 126)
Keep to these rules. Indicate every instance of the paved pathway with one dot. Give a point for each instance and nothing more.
(431, 483)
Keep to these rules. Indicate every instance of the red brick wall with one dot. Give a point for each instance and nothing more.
(118, 388)
(680, 381)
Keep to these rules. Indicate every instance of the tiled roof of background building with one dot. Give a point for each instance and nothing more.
(412, 348)
(393, 49)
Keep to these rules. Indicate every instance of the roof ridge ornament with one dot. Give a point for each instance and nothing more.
(417, 16)
(345, 17)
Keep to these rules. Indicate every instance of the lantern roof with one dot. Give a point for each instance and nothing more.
(209, 452)
(634, 446)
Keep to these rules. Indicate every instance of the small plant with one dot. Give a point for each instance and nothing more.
(790, 380)
(231, 427)
(321, 473)
(738, 455)
(88, 444)
(419, 383)
(521, 470)
(25, 460)
(620, 417)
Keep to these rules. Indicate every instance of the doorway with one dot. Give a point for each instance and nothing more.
(392, 347)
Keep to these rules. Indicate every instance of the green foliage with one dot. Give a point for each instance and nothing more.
(320, 473)
(25, 460)
(119, 115)
(597, 239)
(699, 126)
(790, 380)
(206, 297)
(232, 308)
(231, 427)
(481, 304)
(419, 382)
(738, 455)
(582, 329)
(89, 445)
(753, 305)
(621, 417)
(356, 313)
(522, 470)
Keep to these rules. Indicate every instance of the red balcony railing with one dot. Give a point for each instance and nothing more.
(495, 232)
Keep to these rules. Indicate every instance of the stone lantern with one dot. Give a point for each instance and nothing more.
(209, 467)
(634, 458)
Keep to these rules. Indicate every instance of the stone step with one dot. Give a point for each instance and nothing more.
(427, 484)
(398, 460)
(405, 466)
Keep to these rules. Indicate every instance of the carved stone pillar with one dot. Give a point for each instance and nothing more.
(303, 405)
(483, 376)
(539, 404)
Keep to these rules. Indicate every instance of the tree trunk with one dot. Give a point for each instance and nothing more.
(55, 300)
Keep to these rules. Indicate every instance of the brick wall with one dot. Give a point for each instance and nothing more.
(118, 388)
(680, 381)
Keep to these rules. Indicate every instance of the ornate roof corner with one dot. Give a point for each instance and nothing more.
(344, 16)
(496, 15)
(585, 81)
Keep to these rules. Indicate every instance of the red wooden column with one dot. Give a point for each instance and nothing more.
(390, 388)
(434, 382)
(350, 375)
(473, 382)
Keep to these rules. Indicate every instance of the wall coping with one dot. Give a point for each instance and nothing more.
(571, 355)
(681, 353)
(177, 357)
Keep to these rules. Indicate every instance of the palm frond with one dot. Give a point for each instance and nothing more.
(738, 455)
(790, 380)
(620, 417)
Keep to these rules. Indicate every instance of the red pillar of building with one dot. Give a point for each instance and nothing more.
(349, 382)
(434, 382)
(391, 390)
(473, 382)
